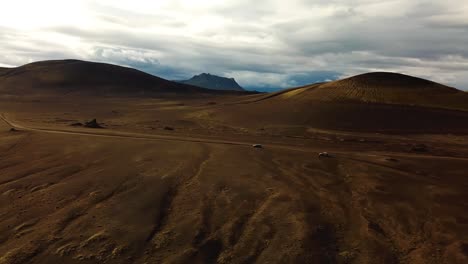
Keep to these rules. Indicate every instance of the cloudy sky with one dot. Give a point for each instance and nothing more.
(262, 43)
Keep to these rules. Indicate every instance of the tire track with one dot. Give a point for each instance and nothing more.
(169, 196)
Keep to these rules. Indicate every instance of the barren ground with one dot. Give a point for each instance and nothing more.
(138, 192)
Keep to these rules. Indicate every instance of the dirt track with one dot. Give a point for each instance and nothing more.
(116, 134)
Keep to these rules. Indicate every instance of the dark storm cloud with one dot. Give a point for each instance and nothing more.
(271, 43)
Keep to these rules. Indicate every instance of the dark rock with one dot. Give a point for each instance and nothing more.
(77, 124)
(93, 124)
(168, 128)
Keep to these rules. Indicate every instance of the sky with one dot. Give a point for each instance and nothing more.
(263, 44)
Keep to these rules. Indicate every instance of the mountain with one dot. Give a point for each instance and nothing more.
(368, 102)
(209, 81)
(77, 76)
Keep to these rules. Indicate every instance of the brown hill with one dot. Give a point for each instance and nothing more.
(372, 101)
(385, 88)
(85, 77)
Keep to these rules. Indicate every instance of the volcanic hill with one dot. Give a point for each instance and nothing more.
(372, 101)
(85, 77)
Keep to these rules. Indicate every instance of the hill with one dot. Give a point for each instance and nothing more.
(85, 77)
(209, 81)
(384, 88)
(368, 102)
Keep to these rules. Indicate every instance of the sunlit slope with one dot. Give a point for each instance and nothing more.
(368, 102)
(383, 88)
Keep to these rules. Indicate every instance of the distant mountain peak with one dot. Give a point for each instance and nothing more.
(214, 82)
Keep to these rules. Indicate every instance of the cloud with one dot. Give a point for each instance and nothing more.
(267, 44)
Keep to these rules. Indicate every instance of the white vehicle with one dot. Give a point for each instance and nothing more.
(324, 155)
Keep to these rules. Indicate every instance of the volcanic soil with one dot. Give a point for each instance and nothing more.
(175, 179)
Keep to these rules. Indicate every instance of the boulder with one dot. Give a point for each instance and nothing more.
(93, 124)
